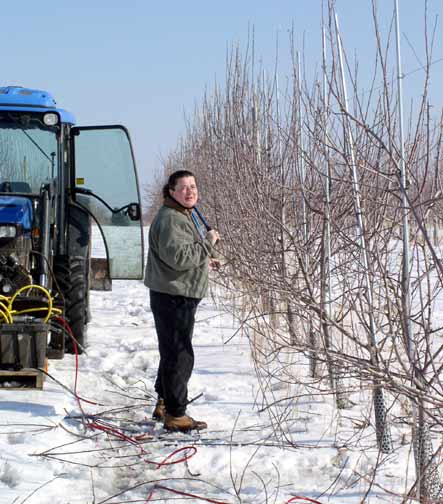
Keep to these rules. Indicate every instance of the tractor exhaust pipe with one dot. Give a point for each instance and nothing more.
(45, 230)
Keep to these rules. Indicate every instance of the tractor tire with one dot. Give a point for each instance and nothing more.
(72, 275)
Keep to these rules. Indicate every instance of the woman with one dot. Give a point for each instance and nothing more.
(180, 254)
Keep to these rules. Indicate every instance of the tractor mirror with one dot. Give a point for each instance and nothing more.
(133, 211)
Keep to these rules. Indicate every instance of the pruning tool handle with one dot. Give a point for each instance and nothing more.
(200, 216)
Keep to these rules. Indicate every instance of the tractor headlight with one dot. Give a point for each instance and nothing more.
(8, 231)
(50, 119)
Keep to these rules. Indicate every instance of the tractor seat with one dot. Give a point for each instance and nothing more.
(15, 187)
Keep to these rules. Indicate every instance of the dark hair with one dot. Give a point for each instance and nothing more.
(172, 180)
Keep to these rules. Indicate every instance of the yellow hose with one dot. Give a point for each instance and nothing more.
(5, 312)
(56, 311)
(5, 316)
(29, 310)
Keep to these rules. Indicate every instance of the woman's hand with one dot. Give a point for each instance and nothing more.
(213, 236)
(214, 264)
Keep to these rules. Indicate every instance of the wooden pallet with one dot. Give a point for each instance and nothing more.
(21, 380)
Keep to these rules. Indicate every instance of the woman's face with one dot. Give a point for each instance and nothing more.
(185, 192)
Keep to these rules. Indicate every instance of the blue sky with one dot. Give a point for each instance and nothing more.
(145, 64)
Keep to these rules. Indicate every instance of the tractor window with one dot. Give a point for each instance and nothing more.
(28, 156)
(104, 165)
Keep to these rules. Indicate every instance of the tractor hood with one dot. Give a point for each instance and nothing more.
(16, 210)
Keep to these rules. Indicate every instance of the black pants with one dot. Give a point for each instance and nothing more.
(174, 318)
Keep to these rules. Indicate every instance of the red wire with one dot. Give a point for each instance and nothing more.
(65, 324)
(178, 492)
(124, 437)
(111, 430)
(185, 494)
(151, 493)
(193, 449)
(307, 499)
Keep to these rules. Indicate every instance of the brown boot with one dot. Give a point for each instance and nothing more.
(159, 410)
(183, 423)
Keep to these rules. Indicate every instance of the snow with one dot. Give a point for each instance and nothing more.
(48, 455)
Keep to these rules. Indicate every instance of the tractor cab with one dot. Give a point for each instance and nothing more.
(61, 187)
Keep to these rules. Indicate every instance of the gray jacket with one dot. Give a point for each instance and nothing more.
(178, 255)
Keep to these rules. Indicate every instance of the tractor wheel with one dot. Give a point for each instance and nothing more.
(72, 274)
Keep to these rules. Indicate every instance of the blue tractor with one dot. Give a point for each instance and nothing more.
(60, 186)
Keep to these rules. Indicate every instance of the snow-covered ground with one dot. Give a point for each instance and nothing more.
(105, 448)
(48, 456)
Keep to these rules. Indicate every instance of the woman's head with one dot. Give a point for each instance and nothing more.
(182, 187)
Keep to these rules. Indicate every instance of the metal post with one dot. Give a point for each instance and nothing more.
(384, 439)
(302, 175)
(333, 368)
(301, 163)
(283, 238)
(327, 177)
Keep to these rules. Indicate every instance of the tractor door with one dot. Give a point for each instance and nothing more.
(106, 185)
